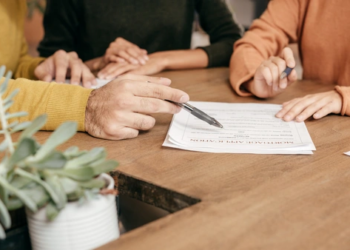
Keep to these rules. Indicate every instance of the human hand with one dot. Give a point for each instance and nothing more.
(121, 108)
(62, 65)
(267, 82)
(122, 50)
(156, 63)
(317, 106)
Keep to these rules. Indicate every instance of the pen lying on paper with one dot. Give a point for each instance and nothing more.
(198, 113)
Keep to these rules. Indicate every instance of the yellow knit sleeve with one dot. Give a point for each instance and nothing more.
(26, 63)
(61, 102)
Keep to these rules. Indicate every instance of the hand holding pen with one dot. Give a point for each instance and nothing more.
(274, 75)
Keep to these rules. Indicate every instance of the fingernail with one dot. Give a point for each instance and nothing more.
(283, 85)
(166, 80)
(88, 85)
(300, 118)
(133, 61)
(74, 83)
(275, 88)
(146, 58)
(184, 98)
(287, 118)
(143, 62)
(316, 116)
(278, 115)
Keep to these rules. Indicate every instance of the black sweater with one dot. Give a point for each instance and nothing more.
(89, 26)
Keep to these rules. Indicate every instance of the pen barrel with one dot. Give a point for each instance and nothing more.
(202, 116)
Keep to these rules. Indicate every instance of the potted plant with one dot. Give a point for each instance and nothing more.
(66, 194)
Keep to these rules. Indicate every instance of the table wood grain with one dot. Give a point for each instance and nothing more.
(247, 201)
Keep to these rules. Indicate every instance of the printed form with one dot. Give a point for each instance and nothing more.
(248, 128)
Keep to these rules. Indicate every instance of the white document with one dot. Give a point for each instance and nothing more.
(347, 153)
(248, 128)
(100, 83)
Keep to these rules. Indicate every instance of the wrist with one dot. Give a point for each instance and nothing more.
(89, 111)
(164, 59)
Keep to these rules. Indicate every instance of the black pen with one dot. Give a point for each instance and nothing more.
(198, 113)
(286, 72)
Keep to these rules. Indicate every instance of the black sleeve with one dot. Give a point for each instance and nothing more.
(216, 19)
(61, 27)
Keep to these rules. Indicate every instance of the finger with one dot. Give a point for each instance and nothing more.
(144, 53)
(299, 107)
(152, 79)
(266, 72)
(118, 70)
(325, 110)
(117, 59)
(127, 57)
(287, 55)
(286, 107)
(281, 65)
(136, 53)
(312, 109)
(274, 73)
(292, 77)
(119, 134)
(139, 121)
(61, 61)
(144, 89)
(88, 78)
(42, 71)
(146, 105)
(76, 70)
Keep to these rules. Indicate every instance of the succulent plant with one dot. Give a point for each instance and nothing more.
(37, 176)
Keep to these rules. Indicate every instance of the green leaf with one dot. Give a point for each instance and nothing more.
(12, 124)
(46, 186)
(3, 145)
(93, 155)
(15, 115)
(105, 167)
(2, 233)
(69, 185)
(30, 204)
(14, 203)
(20, 182)
(25, 148)
(5, 217)
(54, 182)
(79, 174)
(55, 160)
(37, 194)
(59, 136)
(12, 95)
(2, 71)
(20, 126)
(94, 183)
(3, 194)
(4, 85)
(51, 211)
(8, 105)
(34, 127)
(71, 151)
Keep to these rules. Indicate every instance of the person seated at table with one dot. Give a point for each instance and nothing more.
(144, 37)
(320, 27)
(116, 111)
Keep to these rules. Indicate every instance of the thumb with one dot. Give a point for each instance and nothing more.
(288, 56)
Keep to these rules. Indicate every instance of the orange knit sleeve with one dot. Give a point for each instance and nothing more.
(345, 93)
(268, 36)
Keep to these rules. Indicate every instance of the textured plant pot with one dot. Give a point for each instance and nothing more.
(77, 226)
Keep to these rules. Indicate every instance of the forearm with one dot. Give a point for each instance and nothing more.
(61, 102)
(183, 59)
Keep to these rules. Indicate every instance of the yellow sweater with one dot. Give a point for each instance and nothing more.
(62, 102)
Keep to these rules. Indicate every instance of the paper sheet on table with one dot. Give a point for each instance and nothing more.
(100, 83)
(248, 128)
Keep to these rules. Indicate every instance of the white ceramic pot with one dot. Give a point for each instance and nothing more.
(78, 226)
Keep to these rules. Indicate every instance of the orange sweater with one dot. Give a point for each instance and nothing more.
(320, 27)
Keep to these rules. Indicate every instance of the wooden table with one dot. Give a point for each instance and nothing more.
(241, 201)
